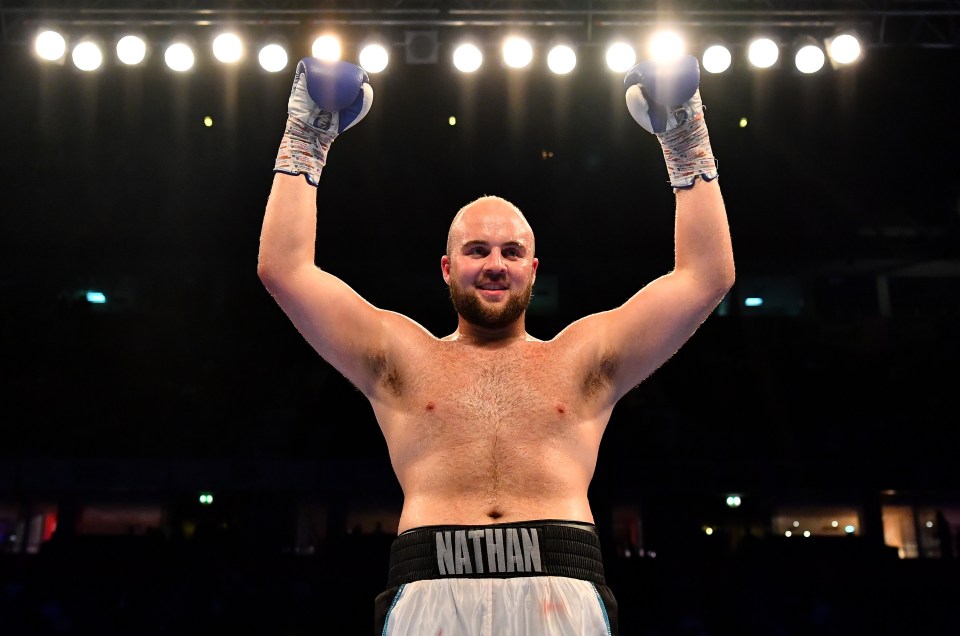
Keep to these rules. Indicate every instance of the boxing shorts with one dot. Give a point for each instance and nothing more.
(531, 578)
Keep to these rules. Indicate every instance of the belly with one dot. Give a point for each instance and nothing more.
(478, 473)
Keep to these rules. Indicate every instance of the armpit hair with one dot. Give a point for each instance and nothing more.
(384, 372)
(601, 375)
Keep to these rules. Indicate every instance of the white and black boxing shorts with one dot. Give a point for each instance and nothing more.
(531, 577)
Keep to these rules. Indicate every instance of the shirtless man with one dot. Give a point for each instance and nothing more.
(494, 434)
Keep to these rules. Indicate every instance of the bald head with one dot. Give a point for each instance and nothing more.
(486, 211)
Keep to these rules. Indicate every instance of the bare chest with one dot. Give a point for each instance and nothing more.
(524, 395)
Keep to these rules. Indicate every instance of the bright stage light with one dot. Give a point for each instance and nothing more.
(273, 58)
(763, 52)
(666, 45)
(561, 59)
(131, 49)
(844, 49)
(87, 56)
(327, 47)
(228, 48)
(467, 58)
(620, 57)
(517, 52)
(179, 57)
(809, 59)
(374, 58)
(716, 59)
(50, 46)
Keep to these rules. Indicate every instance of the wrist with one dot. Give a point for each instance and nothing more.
(687, 152)
(303, 150)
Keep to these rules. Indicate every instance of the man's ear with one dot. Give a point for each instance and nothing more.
(445, 268)
(536, 264)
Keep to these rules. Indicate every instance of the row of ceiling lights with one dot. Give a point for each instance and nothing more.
(810, 54)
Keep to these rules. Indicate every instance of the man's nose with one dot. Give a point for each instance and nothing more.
(495, 262)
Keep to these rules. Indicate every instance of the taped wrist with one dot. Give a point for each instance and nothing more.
(687, 152)
(303, 150)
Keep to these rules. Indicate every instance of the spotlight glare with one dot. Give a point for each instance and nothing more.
(374, 58)
(227, 48)
(517, 52)
(326, 47)
(467, 58)
(666, 46)
(763, 52)
(179, 57)
(844, 49)
(50, 46)
(273, 58)
(562, 59)
(131, 49)
(716, 59)
(809, 59)
(620, 57)
(87, 56)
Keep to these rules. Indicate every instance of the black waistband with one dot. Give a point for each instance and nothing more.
(526, 548)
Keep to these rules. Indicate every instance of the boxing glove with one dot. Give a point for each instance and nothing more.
(664, 98)
(326, 99)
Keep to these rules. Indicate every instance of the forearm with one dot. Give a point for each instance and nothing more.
(288, 235)
(327, 98)
(702, 234)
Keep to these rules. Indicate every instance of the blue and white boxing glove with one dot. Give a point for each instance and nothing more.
(326, 99)
(664, 98)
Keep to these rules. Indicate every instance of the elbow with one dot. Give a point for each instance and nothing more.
(267, 274)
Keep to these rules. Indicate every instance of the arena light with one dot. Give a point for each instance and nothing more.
(716, 58)
(374, 57)
(227, 47)
(666, 45)
(844, 48)
(327, 47)
(763, 52)
(517, 52)
(620, 56)
(467, 57)
(561, 59)
(273, 58)
(179, 57)
(87, 55)
(809, 57)
(131, 49)
(50, 46)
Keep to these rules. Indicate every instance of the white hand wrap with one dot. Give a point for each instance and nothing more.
(687, 152)
(303, 149)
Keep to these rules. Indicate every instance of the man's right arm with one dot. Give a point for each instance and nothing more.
(342, 327)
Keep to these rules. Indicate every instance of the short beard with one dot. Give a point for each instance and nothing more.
(473, 311)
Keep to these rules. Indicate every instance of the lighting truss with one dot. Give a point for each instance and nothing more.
(884, 23)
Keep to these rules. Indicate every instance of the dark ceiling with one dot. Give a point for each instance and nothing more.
(841, 190)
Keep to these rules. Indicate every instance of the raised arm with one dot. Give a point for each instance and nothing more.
(640, 335)
(326, 99)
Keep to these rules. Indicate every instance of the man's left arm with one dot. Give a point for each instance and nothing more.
(646, 330)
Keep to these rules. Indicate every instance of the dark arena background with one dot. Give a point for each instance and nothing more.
(175, 458)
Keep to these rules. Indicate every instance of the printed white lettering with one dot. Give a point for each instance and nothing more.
(445, 552)
(495, 558)
(462, 559)
(476, 535)
(531, 550)
(514, 553)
